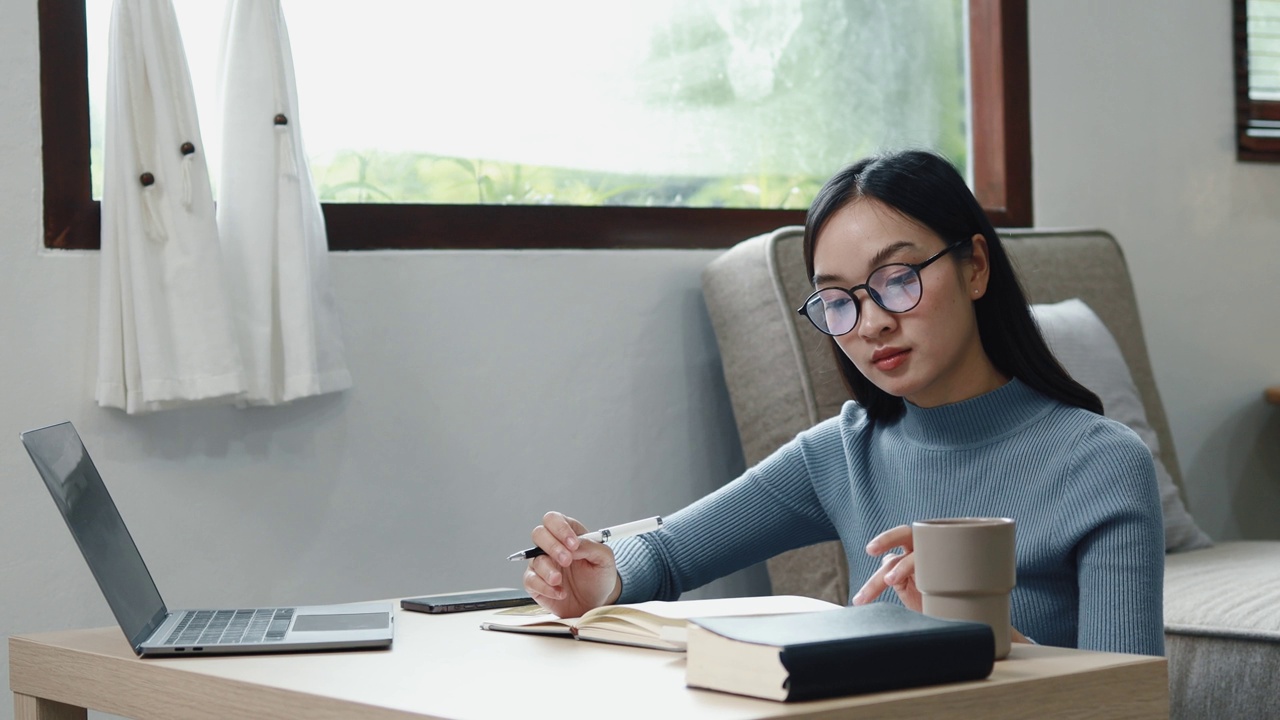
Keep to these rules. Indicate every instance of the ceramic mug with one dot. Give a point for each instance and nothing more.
(966, 569)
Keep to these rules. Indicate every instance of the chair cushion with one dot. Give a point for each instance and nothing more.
(1088, 351)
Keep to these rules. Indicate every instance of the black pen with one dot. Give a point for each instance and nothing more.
(616, 532)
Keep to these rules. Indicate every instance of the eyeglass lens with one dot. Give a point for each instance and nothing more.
(835, 311)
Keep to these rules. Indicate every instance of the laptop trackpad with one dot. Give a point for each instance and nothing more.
(340, 621)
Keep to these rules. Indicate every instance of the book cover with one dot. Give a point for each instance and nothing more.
(845, 651)
(655, 624)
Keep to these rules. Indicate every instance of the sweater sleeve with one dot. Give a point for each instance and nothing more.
(1111, 512)
(770, 509)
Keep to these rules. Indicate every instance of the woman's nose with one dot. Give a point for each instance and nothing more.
(874, 320)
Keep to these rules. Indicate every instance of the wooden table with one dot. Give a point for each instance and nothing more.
(444, 666)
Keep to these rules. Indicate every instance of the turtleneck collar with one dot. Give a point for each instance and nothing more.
(976, 421)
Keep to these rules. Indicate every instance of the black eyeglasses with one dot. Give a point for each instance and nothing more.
(894, 287)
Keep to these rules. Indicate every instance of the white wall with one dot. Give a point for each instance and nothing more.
(1132, 130)
(457, 437)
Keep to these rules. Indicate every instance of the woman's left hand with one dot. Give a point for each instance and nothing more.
(897, 570)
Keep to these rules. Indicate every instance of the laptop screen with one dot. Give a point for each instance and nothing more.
(99, 530)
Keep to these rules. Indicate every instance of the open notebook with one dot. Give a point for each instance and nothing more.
(654, 624)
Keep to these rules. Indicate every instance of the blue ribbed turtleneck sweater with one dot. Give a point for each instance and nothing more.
(1082, 488)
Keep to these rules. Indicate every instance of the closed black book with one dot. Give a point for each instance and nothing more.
(847, 651)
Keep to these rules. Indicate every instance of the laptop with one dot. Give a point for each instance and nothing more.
(151, 628)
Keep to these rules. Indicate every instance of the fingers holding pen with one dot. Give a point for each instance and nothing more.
(543, 577)
(558, 537)
(576, 574)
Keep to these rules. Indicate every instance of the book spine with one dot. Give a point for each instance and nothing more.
(862, 665)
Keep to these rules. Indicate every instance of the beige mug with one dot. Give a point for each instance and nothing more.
(966, 569)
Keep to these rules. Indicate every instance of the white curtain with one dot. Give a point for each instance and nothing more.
(165, 329)
(197, 307)
(272, 229)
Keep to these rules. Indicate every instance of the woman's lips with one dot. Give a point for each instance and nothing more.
(889, 358)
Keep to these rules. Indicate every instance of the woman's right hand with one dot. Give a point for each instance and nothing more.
(575, 575)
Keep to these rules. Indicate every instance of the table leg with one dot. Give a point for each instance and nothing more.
(26, 707)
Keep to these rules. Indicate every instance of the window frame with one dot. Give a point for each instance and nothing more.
(1001, 160)
(1249, 148)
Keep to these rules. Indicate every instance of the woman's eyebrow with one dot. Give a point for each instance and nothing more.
(889, 251)
(877, 260)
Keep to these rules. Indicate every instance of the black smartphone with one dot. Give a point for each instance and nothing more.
(467, 601)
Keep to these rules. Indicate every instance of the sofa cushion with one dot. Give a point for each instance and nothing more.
(1230, 590)
(1088, 351)
(1222, 630)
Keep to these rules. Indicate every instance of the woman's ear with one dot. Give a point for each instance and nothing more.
(977, 267)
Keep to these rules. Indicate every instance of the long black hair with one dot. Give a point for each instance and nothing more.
(926, 188)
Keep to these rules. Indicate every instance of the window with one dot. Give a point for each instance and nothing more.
(1257, 66)
(706, 199)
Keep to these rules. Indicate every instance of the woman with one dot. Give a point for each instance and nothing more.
(959, 410)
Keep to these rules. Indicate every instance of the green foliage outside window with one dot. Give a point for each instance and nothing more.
(420, 178)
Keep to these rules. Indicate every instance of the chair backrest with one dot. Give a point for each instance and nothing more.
(782, 378)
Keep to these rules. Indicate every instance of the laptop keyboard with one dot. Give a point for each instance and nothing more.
(231, 627)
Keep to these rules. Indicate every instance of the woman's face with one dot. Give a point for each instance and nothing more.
(932, 354)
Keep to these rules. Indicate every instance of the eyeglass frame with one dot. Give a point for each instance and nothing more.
(914, 267)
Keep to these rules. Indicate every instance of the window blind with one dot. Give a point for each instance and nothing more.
(1257, 69)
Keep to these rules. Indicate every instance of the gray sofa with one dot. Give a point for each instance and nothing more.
(1222, 603)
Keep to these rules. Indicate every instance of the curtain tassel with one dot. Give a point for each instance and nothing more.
(186, 182)
(284, 147)
(188, 151)
(151, 215)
